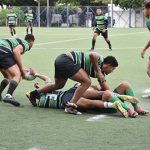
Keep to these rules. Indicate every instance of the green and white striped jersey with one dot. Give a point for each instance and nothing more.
(84, 61)
(8, 45)
(148, 23)
(29, 17)
(11, 18)
(101, 22)
(51, 100)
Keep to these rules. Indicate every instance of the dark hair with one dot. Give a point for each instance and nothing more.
(111, 60)
(29, 38)
(147, 5)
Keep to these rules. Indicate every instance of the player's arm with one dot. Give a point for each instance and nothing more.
(6, 21)
(101, 78)
(145, 48)
(17, 56)
(16, 18)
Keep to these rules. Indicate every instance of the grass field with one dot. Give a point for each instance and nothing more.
(28, 128)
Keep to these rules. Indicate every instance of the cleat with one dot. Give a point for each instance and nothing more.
(132, 113)
(71, 110)
(142, 112)
(119, 107)
(92, 49)
(128, 98)
(31, 98)
(11, 100)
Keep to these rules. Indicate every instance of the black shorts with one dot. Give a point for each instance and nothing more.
(29, 24)
(7, 62)
(12, 25)
(65, 67)
(104, 34)
(68, 96)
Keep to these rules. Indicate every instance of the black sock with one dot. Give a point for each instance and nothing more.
(27, 30)
(109, 44)
(12, 86)
(14, 31)
(11, 33)
(35, 93)
(31, 31)
(93, 43)
(3, 84)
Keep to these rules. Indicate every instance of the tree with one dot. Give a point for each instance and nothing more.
(126, 4)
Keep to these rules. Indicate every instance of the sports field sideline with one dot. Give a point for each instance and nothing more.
(28, 128)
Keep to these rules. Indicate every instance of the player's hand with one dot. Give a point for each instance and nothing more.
(148, 73)
(33, 71)
(142, 54)
(23, 72)
(37, 85)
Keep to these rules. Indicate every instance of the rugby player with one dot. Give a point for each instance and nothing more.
(79, 67)
(100, 24)
(147, 16)
(11, 21)
(11, 65)
(29, 20)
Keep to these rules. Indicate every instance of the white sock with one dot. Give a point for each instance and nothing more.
(8, 95)
(108, 105)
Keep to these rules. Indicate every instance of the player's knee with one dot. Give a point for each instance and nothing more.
(87, 82)
(108, 94)
(126, 84)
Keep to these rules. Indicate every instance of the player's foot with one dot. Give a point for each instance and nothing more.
(128, 98)
(132, 113)
(9, 99)
(146, 96)
(92, 49)
(141, 111)
(71, 110)
(32, 98)
(119, 107)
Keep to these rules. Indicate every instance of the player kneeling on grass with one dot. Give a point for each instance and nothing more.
(79, 67)
(11, 66)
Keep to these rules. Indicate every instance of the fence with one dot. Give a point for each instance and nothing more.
(68, 16)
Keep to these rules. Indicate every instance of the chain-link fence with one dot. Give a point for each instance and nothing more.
(69, 16)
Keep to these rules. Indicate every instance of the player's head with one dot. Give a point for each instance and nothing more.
(109, 64)
(98, 11)
(29, 10)
(147, 9)
(30, 39)
(10, 9)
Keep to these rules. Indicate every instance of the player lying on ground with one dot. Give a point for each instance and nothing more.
(89, 100)
(11, 65)
(125, 88)
(79, 67)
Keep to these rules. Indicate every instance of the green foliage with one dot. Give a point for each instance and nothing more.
(17, 10)
(125, 4)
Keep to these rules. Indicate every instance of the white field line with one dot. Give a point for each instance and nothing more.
(84, 48)
(33, 148)
(96, 118)
(78, 39)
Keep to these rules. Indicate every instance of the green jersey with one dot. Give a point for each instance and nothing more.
(29, 17)
(84, 61)
(8, 45)
(148, 23)
(51, 100)
(101, 22)
(11, 18)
